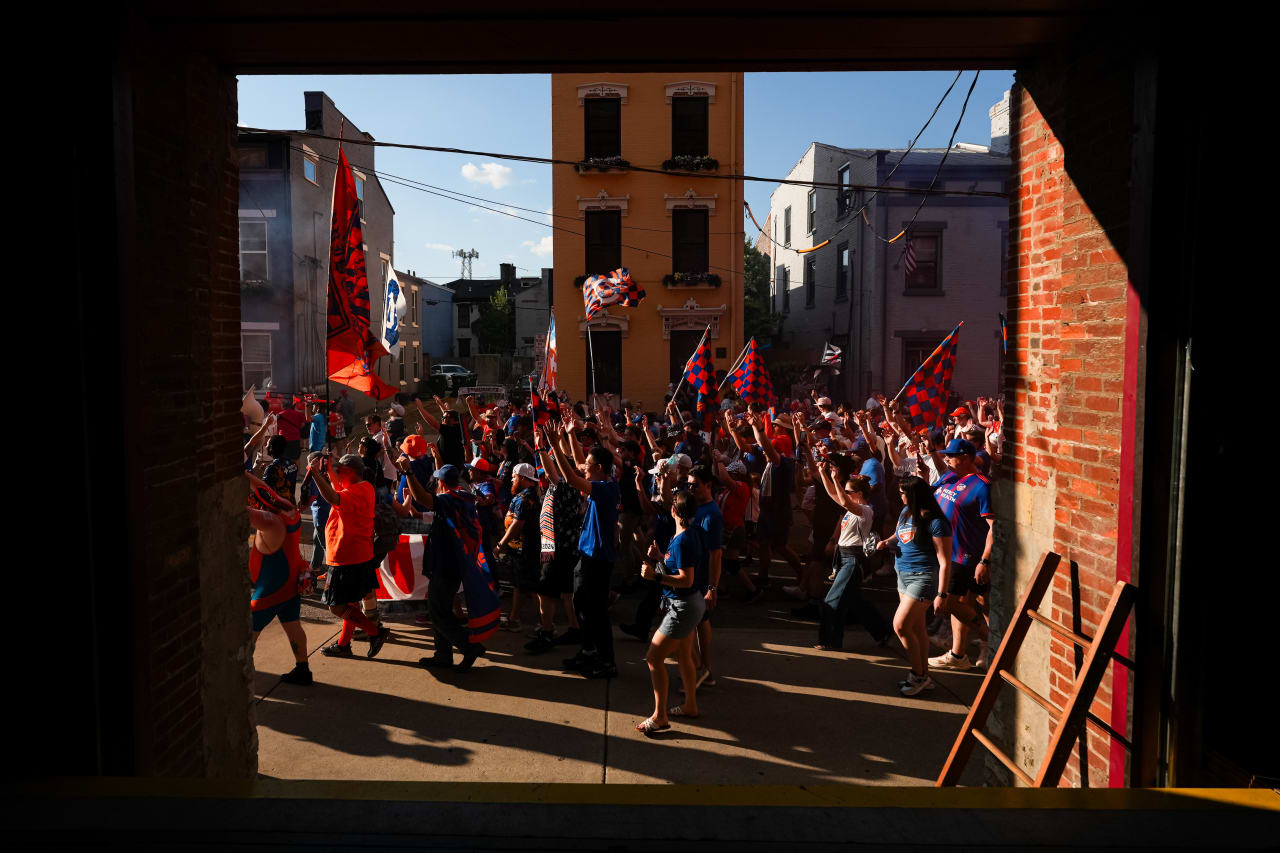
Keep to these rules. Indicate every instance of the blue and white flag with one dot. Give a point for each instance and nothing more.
(393, 309)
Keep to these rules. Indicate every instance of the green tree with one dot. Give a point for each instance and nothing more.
(496, 325)
(757, 321)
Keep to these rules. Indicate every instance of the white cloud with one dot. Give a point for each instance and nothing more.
(444, 247)
(494, 174)
(542, 248)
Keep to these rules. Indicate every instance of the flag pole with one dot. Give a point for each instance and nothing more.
(591, 356)
(676, 392)
(741, 356)
(929, 356)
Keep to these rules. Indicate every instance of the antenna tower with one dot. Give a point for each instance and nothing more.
(467, 255)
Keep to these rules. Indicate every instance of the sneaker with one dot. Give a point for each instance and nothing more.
(543, 641)
(361, 635)
(634, 631)
(601, 670)
(983, 658)
(942, 639)
(336, 651)
(300, 674)
(915, 684)
(948, 660)
(795, 592)
(422, 619)
(377, 641)
(469, 658)
(571, 637)
(513, 625)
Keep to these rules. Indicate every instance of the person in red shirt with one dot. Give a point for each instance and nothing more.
(733, 508)
(290, 423)
(349, 551)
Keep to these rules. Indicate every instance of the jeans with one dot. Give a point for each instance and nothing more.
(450, 633)
(319, 518)
(845, 595)
(591, 603)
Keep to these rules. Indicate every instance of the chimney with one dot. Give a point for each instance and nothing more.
(999, 114)
(547, 282)
(507, 272)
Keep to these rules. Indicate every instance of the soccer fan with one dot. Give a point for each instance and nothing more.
(709, 522)
(851, 538)
(275, 571)
(386, 460)
(965, 497)
(922, 545)
(282, 473)
(522, 540)
(290, 422)
(777, 483)
(684, 607)
(452, 450)
(349, 552)
(318, 436)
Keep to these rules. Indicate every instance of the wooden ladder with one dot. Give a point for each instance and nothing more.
(1068, 720)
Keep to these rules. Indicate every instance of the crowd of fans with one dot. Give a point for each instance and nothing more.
(574, 506)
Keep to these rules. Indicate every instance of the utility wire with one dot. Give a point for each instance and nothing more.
(628, 168)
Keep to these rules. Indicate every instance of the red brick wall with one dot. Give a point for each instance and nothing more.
(1066, 369)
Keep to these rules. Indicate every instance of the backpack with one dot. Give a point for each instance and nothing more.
(386, 530)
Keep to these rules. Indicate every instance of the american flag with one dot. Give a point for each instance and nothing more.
(750, 379)
(548, 380)
(831, 355)
(600, 291)
(700, 373)
(925, 393)
(909, 257)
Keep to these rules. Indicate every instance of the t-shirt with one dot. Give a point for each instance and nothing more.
(282, 475)
(318, 430)
(489, 513)
(664, 527)
(683, 552)
(733, 504)
(918, 553)
(450, 444)
(422, 467)
(348, 535)
(855, 526)
(290, 424)
(966, 502)
(874, 471)
(782, 478)
(600, 524)
(711, 523)
(526, 506)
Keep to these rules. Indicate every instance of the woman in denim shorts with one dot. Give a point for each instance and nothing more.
(924, 569)
(683, 607)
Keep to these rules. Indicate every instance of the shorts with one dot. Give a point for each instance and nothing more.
(350, 584)
(526, 573)
(922, 586)
(555, 577)
(285, 611)
(735, 540)
(681, 616)
(961, 581)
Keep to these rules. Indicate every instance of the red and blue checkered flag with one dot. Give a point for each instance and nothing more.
(750, 379)
(925, 394)
(601, 291)
(700, 373)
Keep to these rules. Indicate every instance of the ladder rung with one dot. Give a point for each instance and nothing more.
(1056, 713)
(1004, 759)
(1061, 630)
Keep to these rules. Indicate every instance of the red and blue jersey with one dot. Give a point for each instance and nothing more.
(966, 502)
(275, 576)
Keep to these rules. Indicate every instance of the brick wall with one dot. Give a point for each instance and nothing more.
(1064, 377)
(182, 367)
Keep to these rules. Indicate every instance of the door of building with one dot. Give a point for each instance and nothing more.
(683, 343)
(607, 346)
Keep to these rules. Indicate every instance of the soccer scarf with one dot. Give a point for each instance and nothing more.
(547, 525)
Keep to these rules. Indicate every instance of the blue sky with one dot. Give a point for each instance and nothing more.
(512, 114)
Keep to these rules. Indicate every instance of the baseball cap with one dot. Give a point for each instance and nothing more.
(350, 460)
(659, 468)
(824, 401)
(524, 469)
(448, 473)
(398, 409)
(414, 446)
(736, 467)
(819, 423)
(961, 410)
(680, 459)
(959, 447)
(479, 464)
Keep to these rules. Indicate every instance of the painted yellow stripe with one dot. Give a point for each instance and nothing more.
(755, 796)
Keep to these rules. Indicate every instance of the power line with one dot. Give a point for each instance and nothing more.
(628, 168)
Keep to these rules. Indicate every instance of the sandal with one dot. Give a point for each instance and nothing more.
(649, 728)
(678, 711)
(823, 648)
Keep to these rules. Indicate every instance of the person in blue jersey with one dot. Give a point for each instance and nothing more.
(709, 522)
(964, 494)
(592, 475)
(683, 607)
(922, 545)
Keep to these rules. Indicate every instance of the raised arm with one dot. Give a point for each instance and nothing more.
(258, 436)
(418, 490)
(767, 446)
(426, 416)
(570, 472)
(323, 486)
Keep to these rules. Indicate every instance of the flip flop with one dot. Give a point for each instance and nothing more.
(678, 711)
(649, 728)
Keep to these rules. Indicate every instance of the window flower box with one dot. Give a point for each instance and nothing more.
(691, 163)
(603, 164)
(691, 279)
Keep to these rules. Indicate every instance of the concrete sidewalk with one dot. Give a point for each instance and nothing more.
(781, 712)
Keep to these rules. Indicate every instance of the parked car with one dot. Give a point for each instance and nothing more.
(519, 393)
(455, 375)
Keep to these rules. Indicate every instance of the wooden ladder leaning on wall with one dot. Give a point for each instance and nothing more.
(1099, 651)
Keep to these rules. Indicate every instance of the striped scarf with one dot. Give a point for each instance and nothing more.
(547, 525)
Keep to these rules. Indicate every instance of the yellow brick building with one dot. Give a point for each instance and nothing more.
(681, 236)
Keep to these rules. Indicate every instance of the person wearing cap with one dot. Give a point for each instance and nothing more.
(349, 551)
(520, 538)
(417, 454)
(452, 449)
(735, 498)
(964, 495)
(559, 524)
(777, 484)
(450, 506)
(962, 418)
(275, 566)
(395, 423)
(373, 423)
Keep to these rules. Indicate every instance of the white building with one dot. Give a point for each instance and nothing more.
(855, 292)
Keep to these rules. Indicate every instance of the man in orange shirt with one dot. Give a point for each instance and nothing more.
(349, 551)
